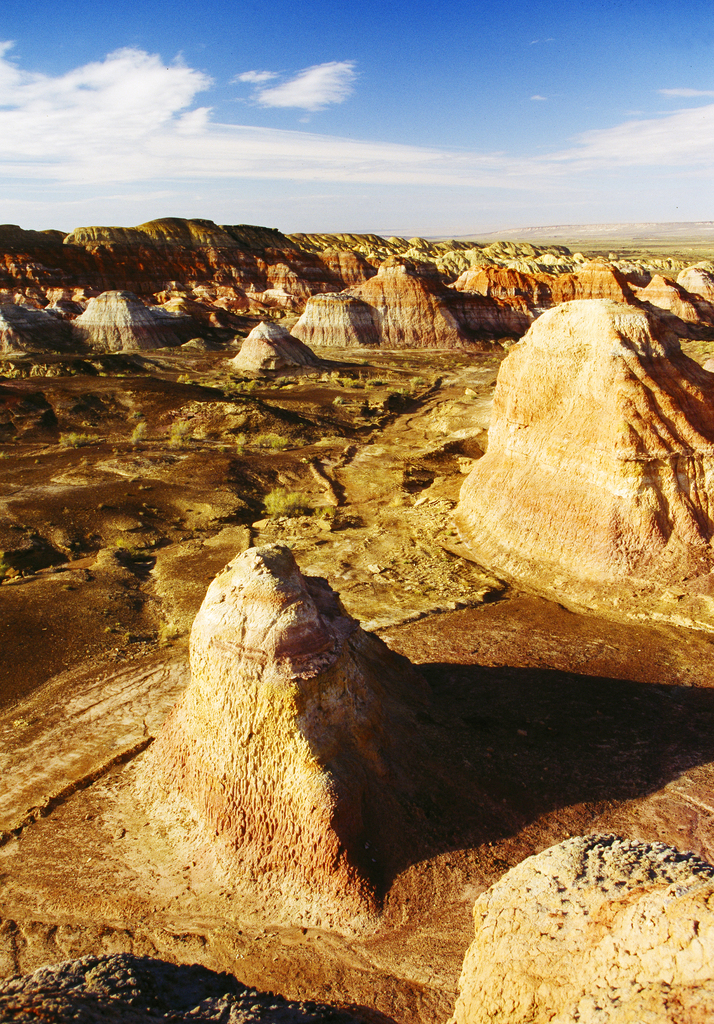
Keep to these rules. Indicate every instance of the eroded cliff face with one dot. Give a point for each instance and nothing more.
(595, 929)
(292, 747)
(600, 459)
(407, 305)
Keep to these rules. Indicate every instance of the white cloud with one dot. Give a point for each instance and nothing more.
(255, 76)
(685, 92)
(537, 97)
(132, 121)
(313, 88)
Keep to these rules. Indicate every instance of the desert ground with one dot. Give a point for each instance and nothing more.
(134, 479)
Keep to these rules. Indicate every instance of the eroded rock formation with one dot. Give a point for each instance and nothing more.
(600, 459)
(120, 322)
(293, 747)
(26, 329)
(271, 347)
(597, 929)
(406, 305)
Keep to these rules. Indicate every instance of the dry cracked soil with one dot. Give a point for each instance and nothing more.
(127, 482)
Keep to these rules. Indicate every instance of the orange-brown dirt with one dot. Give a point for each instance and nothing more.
(546, 719)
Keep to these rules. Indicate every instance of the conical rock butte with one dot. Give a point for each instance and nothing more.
(293, 747)
(118, 321)
(600, 459)
(270, 346)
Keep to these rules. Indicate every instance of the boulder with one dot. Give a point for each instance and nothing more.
(120, 322)
(600, 455)
(599, 930)
(271, 347)
(292, 750)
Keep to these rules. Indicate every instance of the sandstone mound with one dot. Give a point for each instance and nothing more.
(120, 322)
(339, 320)
(129, 989)
(698, 280)
(406, 305)
(293, 747)
(271, 347)
(26, 329)
(597, 929)
(600, 459)
(663, 293)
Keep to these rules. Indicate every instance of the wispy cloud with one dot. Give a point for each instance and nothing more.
(312, 88)
(686, 92)
(132, 119)
(537, 97)
(255, 76)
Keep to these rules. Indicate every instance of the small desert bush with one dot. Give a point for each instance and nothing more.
(168, 631)
(272, 441)
(75, 440)
(281, 502)
(338, 401)
(139, 432)
(179, 434)
(417, 382)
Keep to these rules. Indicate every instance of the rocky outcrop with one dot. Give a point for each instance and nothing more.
(120, 322)
(271, 347)
(405, 305)
(26, 329)
(600, 457)
(340, 320)
(597, 929)
(293, 747)
(129, 989)
(698, 280)
(663, 293)
(175, 232)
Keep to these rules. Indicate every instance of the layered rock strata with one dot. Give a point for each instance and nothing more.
(598, 929)
(292, 748)
(120, 322)
(26, 329)
(271, 347)
(405, 306)
(600, 457)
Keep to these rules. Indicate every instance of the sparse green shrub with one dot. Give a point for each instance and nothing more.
(339, 400)
(168, 631)
(417, 382)
(179, 434)
(281, 502)
(75, 440)
(139, 432)
(375, 382)
(272, 441)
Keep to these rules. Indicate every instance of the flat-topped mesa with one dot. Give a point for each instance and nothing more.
(595, 929)
(293, 746)
(600, 457)
(120, 322)
(179, 232)
(270, 346)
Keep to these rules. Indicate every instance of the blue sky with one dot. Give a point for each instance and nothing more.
(406, 118)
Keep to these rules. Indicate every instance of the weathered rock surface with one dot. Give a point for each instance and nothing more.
(663, 293)
(293, 747)
(26, 329)
(129, 989)
(698, 280)
(271, 347)
(600, 453)
(406, 305)
(597, 929)
(120, 322)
